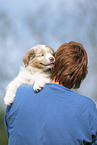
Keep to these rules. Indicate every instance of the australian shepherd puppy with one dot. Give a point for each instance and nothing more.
(38, 62)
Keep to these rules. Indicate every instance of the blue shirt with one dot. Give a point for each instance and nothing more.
(54, 116)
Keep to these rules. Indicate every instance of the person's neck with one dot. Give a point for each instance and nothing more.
(52, 81)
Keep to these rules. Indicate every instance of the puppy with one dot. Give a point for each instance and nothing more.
(38, 62)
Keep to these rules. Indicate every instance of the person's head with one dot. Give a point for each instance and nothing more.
(70, 66)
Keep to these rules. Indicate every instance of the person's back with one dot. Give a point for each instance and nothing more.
(54, 116)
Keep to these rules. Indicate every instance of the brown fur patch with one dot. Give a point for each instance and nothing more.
(28, 56)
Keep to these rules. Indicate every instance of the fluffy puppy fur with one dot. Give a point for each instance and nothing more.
(38, 62)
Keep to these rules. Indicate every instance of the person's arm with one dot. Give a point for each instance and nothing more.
(93, 115)
(92, 119)
(5, 120)
(11, 111)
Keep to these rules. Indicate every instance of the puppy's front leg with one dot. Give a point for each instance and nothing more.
(39, 84)
(11, 92)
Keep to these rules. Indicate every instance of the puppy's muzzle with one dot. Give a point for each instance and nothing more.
(47, 64)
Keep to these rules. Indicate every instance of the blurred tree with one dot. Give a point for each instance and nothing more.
(3, 136)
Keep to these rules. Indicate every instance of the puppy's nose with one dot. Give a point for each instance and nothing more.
(51, 59)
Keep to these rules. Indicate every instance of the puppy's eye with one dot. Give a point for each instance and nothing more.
(41, 55)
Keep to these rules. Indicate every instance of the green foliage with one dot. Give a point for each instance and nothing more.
(3, 136)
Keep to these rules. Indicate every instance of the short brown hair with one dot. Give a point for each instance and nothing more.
(70, 66)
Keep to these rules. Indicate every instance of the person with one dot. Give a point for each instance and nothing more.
(57, 115)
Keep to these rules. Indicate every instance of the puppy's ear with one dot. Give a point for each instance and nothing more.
(28, 57)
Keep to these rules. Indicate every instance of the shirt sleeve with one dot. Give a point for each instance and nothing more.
(5, 120)
(92, 118)
(11, 111)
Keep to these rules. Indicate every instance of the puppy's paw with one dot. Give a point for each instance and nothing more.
(37, 88)
(8, 99)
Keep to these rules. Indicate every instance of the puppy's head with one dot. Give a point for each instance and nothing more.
(40, 56)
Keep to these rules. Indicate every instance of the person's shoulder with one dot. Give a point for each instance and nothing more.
(24, 87)
(23, 91)
(86, 101)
